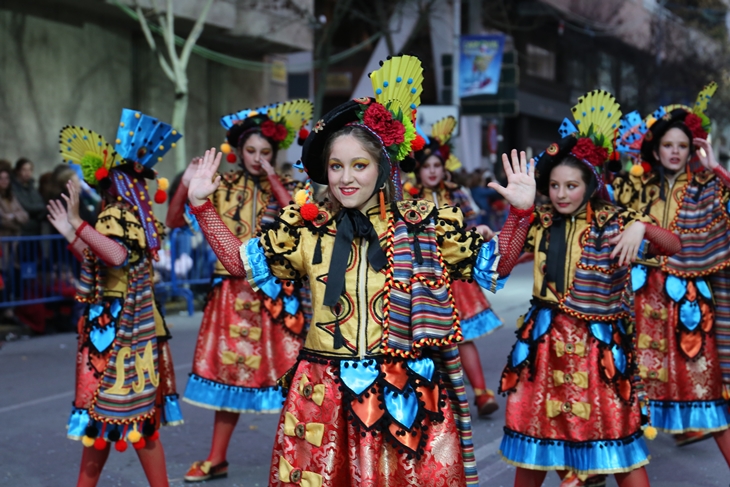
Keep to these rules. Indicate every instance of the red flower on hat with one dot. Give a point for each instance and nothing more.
(274, 131)
(586, 150)
(418, 143)
(694, 124)
(381, 121)
(445, 151)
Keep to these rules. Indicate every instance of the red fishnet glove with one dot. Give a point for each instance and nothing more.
(723, 174)
(77, 248)
(280, 193)
(225, 245)
(662, 242)
(110, 252)
(176, 210)
(512, 239)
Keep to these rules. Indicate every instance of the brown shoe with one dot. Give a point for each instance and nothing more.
(202, 471)
(684, 439)
(485, 402)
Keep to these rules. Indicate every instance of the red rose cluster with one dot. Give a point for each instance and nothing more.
(694, 124)
(585, 149)
(445, 152)
(381, 121)
(274, 131)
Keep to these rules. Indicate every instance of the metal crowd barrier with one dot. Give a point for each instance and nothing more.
(40, 269)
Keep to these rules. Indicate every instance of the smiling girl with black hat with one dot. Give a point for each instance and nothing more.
(367, 402)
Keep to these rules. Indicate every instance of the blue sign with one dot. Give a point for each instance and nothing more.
(480, 63)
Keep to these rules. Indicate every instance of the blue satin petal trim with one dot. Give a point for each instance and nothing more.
(600, 456)
(423, 367)
(621, 327)
(102, 338)
(601, 331)
(291, 305)
(403, 407)
(216, 280)
(690, 314)
(542, 322)
(173, 414)
(676, 287)
(703, 288)
(258, 271)
(115, 308)
(95, 311)
(681, 416)
(77, 422)
(638, 276)
(520, 353)
(480, 324)
(222, 397)
(358, 376)
(485, 267)
(619, 358)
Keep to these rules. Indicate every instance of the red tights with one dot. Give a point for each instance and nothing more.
(152, 458)
(472, 364)
(723, 441)
(534, 478)
(225, 423)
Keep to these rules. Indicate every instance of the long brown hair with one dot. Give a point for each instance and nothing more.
(8, 193)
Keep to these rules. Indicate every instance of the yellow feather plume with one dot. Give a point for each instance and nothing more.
(77, 142)
(600, 110)
(296, 113)
(704, 97)
(399, 80)
(442, 129)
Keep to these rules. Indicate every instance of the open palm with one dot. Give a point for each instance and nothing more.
(520, 190)
(206, 178)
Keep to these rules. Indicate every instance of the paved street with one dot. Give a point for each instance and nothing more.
(36, 390)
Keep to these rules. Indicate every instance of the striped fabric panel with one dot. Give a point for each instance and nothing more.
(432, 311)
(402, 256)
(451, 363)
(399, 320)
(721, 291)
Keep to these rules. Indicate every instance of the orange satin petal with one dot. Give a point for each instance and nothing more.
(295, 323)
(368, 410)
(691, 342)
(691, 291)
(624, 388)
(395, 373)
(274, 307)
(608, 366)
(708, 317)
(430, 396)
(104, 319)
(408, 439)
(99, 362)
(527, 329)
(509, 380)
(288, 287)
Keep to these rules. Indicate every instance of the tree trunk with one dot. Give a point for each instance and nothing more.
(179, 114)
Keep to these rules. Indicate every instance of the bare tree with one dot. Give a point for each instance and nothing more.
(174, 64)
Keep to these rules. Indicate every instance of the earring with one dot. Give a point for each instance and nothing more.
(381, 196)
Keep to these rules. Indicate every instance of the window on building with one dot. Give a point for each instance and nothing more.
(605, 72)
(629, 85)
(540, 62)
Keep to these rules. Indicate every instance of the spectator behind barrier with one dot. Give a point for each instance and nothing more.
(28, 197)
(12, 215)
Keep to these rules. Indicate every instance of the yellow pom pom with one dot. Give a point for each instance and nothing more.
(726, 394)
(650, 432)
(87, 441)
(301, 197)
(134, 436)
(407, 186)
(637, 170)
(163, 184)
(225, 147)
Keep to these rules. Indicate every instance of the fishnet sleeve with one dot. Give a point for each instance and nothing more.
(176, 209)
(225, 245)
(111, 252)
(77, 247)
(512, 239)
(663, 242)
(280, 193)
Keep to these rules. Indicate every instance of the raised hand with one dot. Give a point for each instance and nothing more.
(485, 231)
(72, 205)
(520, 190)
(58, 217)
(628, 243)
(267, 167)
(206, 178)
(705, 153)
(190, 170)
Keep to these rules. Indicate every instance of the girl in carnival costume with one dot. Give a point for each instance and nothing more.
(433, 159)
(125, 380)
(368, 401)
(682, 301)
(572, 404)
(248, 339)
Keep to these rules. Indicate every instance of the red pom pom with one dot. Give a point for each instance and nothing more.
(140, 444)
(160, 196)
(101, 173)
(120, 446)
(231, 157)
(154, 436)
(303, 133)
(418, 143)
(100, 443)
(646, 167)
(413, 191)
(309, 211)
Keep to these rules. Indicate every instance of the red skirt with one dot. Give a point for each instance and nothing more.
(318, 438)
(242, 350)
(475, 312)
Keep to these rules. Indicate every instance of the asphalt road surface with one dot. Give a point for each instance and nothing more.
(36, 390)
